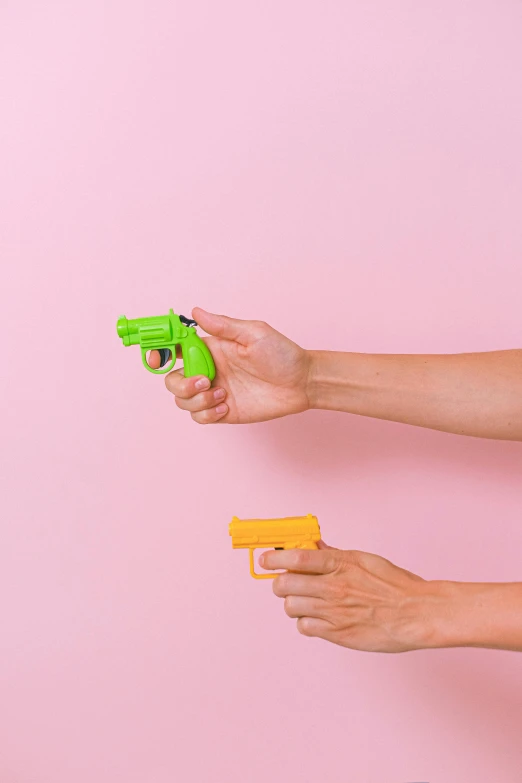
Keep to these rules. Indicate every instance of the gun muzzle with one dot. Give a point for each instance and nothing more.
(151, 333)
(122, 326)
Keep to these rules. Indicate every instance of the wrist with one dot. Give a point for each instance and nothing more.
(312, 358)
(331, 384)
(440, 615)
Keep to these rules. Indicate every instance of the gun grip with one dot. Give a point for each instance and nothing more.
(197, 359)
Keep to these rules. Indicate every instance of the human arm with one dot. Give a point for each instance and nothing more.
(263, 375)
(364, 602)
(477, 394)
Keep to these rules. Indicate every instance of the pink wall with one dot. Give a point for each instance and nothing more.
(350, 172)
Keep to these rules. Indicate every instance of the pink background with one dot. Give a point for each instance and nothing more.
(349, 172)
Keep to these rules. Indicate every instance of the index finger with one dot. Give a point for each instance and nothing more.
(160, 357)
(154, 360)
(305, 561)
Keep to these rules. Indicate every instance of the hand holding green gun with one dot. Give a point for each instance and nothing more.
(163, 333)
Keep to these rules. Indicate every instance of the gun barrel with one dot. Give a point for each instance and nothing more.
(168, 332)
(268, 533)
(122, 326)
(155, 332)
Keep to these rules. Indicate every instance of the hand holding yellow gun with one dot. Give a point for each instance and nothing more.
(285, 533)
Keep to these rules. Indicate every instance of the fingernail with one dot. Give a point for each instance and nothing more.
(219, 394)
(221, 409)
(203, 383)
(262, 561)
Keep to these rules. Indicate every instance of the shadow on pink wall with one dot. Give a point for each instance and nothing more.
(342, 451)
(462, 688)
(328, 442)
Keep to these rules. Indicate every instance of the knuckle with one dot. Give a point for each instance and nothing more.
(334, 564)
(175, 383)
(363, 560)
(221, 326)
(301, 558)
(328, 588)
(280, 586)
(290, 607)
(205, 417)
(197, 418)
(170, 382)
(304, 626)
(335, 590)
(260, 327)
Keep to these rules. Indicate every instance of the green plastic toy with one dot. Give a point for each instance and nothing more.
(163, 333)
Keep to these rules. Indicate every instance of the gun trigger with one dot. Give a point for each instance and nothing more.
(165, 356)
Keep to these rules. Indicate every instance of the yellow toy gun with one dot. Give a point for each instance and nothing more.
(287, 533)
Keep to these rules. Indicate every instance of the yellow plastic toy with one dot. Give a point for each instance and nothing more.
(286, 533)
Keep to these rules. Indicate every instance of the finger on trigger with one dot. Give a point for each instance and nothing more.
(154, 360)
(309, 561)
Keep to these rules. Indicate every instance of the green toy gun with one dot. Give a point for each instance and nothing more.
(163, 333)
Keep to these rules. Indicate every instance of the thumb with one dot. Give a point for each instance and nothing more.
(222, 326)
(322, 545)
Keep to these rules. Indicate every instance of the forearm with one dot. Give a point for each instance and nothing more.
(456, 614)
(477, 394)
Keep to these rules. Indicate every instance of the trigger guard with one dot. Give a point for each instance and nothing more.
(163, 370)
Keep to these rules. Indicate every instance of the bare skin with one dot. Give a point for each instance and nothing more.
(356, 599)
(364, 602)
(260, 374)
(263, 375)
